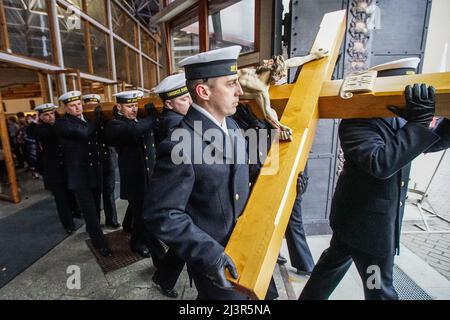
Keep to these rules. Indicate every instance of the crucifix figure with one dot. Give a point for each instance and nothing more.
(255, 83)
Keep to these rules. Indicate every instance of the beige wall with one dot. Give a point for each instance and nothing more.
(14, 106)
(438, 36)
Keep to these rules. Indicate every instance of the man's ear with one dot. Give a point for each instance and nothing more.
(168, 104)
(202, 91)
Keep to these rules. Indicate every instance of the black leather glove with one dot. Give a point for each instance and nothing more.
(420, 105)
(217, 272)
(98, 114)
(115, 111)
(302, 183)
(150, 109)
(246, 118)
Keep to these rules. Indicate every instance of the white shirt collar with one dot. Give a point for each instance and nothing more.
(222, 126)
(82, 118)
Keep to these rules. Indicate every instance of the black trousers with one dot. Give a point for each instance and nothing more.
(375, 273)
(299, 253)
(89, 202)
(140, 235)
(127, 223)
(63, 205)
(169, 270)
(109, 183)
(74, 207)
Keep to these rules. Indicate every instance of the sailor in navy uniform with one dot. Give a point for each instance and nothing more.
(368, 204)
(194, 205)
(134, 141)
(51, 157)
(107, 155)
(177, 100)
(78, 138)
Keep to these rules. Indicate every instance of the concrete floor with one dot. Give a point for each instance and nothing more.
(47, 278)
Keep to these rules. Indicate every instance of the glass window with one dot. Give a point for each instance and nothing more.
(72, 40)
(97, 10)
(184, 37)
(232, 24)
(121, 19)
(28, 28)
(100, 52)
(121, 61)
(150, 74)
(133, 59)
(148, 45)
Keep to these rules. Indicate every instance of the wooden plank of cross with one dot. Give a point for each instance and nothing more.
(257, 236)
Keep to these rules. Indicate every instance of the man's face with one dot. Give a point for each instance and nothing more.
(180, 104)
(224, 95)
(128, 110)
(91, 104)
(74, 108)
(48, 117)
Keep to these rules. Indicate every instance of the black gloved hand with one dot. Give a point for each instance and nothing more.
(150, 109)
(246, 118)
(302, 183)
(420, 105)
(217, 272)
(98, 114)
(115, 111)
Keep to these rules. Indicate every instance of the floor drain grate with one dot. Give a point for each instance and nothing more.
(406, 288)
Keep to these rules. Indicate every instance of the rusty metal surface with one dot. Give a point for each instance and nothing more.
(119, 243)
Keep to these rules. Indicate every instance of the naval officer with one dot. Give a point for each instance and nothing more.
(195, 204)
(107, 155)
(369, 200)
(51, 157)
(134, 141)
(78, 137)
(176, 100)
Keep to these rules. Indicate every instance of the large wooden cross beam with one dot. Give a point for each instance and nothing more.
(256, 239)
(387, 90)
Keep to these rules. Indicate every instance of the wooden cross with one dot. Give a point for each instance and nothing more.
(256, 239)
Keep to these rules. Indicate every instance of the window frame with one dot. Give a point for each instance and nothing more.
(203, 16)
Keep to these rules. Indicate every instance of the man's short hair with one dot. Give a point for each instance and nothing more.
(192, 84)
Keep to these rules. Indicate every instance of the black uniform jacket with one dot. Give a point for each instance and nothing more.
(50, 154)
(369, 199)
(167, 121)
(193, 207)
(81, 152)
(104, 148)
(134, 142)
